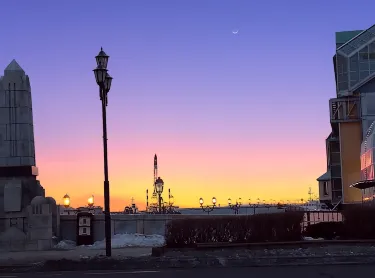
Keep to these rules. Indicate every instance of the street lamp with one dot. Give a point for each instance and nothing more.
(254, 205)
(90, 201)
(104, 81)
(208, 208)
(66, 201)
(159, 184)
(236, 206)
(171, 200)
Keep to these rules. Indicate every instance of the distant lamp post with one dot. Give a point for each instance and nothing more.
(254, 205)
(235, 207)
(159, 184)
(208, 208)
(104, 81)
(66, 201)
(171, 200)
(90, 201)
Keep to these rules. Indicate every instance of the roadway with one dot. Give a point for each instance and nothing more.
(339, 271)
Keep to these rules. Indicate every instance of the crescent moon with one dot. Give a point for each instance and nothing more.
(235, 32)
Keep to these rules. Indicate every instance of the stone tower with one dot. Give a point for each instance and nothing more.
(16, 119)
(18, 183)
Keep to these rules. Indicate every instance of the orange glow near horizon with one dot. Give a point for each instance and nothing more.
(190, 173)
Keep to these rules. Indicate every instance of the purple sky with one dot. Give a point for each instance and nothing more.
(179, 72)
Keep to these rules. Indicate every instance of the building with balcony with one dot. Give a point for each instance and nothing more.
(351, 114)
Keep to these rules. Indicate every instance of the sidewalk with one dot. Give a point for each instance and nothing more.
(30, 257)
(82, 259)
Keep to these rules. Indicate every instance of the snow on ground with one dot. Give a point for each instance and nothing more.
(310, 238)
(118, 241)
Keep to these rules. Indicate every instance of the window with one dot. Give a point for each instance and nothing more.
(335, 158)
(336, 184)
(84, 230)
(364, 66)
(335, 147)
(372, 51)
(363, 56)
(336, 171)
(363, 53)
(364, 74)
(325, 188)
(354, 62)
(84, 221)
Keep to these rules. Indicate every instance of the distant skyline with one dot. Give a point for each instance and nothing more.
(229, 115)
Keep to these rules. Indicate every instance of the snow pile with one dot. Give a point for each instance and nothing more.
(310, 238)
(131, 240)
(66, 245)
(119, 241)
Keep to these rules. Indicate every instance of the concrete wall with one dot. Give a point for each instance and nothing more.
(147, 223)
(122, 224)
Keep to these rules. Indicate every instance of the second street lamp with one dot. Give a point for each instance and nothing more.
(90, 201)
(236, 206)
(104, 81)
(66, 201)
(208, 208)
(159, 183)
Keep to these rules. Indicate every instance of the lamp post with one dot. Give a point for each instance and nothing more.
(104, 81)
(208, 208)
(159, 184)
(154, 203)
(168, 206)
(236, 206)
(254, 205)
(66, 201)
(90, 201)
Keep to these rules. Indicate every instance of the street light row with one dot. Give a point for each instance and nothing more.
(234, 206)
(66, 201)
(209, 208)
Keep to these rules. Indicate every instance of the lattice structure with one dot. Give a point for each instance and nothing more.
(355, 62)
(345, 109)
(364, 38)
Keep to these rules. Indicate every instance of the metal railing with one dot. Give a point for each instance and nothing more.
(314, 217)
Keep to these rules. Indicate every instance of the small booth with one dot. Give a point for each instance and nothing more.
(85, 228)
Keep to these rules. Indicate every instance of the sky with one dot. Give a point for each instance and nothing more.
(229, 115)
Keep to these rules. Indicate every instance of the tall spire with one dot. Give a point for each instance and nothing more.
(14, 67)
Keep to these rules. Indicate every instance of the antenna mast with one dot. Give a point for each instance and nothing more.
(310, 194)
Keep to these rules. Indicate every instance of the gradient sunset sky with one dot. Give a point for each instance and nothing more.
(228, 115)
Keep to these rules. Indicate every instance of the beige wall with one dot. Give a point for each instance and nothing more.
(350, 145)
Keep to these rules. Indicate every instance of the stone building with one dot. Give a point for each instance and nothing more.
(24, 210)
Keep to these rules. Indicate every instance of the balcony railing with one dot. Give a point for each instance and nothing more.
(345, 109)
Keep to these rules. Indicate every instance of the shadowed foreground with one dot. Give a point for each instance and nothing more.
(264, 272)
